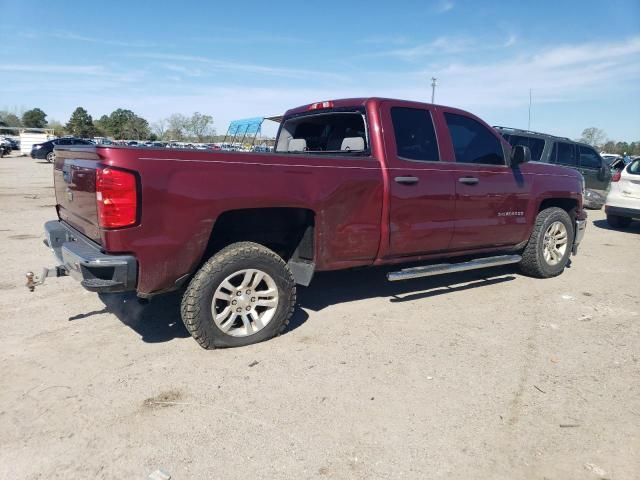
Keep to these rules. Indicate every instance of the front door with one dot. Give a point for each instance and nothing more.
(421, 189)
(491, 197)
(596, 174)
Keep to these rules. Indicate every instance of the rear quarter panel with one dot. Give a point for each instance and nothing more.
(184, 192)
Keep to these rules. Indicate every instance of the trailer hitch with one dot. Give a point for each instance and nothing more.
(34, 280)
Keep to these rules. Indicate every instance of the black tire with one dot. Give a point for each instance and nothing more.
(616, 221)
(533, 262)
(196, 306)
(51, 156)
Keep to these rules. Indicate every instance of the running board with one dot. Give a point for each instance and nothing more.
(442, 268)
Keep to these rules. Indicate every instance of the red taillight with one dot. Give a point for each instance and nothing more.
(320, 105)
(117, 198)
(616, 176)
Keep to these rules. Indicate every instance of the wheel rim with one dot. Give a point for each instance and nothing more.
(555, 243)
(245, 302)
(51, 156)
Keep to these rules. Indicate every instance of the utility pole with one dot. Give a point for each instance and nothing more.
(433, 88)
(529, 124)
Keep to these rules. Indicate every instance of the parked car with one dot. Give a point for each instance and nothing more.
(623, 200)
(11, 142)
(5, 148)
(240, 230)
(563, 151)
(45, 150)
(616, 162)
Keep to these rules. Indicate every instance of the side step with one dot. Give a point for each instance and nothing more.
(442, 268)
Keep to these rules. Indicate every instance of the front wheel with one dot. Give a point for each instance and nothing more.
(51, 156)
(244, 294)
(547, 253)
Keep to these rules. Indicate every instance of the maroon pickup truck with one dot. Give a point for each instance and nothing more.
(352, 183)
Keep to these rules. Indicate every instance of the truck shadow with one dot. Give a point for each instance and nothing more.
(329, 288)
(159, 320)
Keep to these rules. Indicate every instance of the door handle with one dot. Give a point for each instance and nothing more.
(469, 180)
(407, 180)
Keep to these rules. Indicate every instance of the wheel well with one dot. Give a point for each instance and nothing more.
(567, 204)
(286, 231)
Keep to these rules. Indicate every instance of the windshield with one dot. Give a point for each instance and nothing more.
(327, 132)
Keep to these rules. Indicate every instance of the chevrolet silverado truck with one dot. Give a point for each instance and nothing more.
(351, 183)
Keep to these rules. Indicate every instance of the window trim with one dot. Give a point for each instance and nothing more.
(435, 134)
(505, 158)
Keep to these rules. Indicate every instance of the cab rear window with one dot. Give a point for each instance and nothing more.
(338, 133)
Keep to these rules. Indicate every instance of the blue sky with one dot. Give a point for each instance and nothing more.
(241, 59)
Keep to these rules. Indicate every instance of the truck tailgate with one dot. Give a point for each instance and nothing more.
(74, 177)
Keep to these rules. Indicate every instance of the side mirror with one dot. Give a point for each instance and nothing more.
(520, 154)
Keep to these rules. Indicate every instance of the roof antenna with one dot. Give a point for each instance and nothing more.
(529, 124)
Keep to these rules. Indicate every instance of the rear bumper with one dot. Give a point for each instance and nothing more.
(581, 227)
(84, 261)
(622, 211)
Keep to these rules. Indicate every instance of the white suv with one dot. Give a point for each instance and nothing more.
(623, 200)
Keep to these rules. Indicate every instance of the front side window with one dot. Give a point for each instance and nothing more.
(473, 142)
(536, 145)
(415, 135)
(564, 154)
(589, 158)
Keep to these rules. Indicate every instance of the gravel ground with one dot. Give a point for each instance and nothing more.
(487, 374)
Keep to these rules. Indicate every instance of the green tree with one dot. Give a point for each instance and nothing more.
(81, 124)
(8, 119)
(200, 126)
(593, 136)
(34, 118)
(622, 148)
(124, 124)
(58, 128)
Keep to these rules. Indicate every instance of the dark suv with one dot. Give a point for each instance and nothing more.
(563, 151)
(44, 151)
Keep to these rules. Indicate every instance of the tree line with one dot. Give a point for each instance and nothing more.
(121, 124)
(598, 138)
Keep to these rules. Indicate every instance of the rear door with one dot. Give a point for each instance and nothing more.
(421, 189)
(491, 197)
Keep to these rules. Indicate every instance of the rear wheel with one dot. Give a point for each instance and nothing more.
(547, 253)
(242, 295)
(616, 221)
(51, 156)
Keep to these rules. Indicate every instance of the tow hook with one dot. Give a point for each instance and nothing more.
(34, 280)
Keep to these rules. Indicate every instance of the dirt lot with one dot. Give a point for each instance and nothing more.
(480, 375)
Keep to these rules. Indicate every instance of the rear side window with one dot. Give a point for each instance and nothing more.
(536, 145)
(634, 168)
(564, 154)
(589, 158)
(415, 135)
(473, 142)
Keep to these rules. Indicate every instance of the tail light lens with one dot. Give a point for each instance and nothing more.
(616, 176)
(116, 197)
